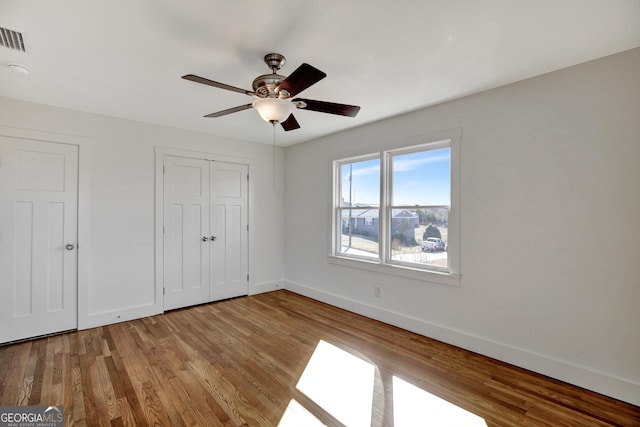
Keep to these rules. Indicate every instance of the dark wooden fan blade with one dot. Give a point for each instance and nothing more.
(303, 77)
(329, 107)
(290, 124)
(204, 81)
(230, 110)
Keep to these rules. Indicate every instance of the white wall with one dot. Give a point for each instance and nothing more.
(117, 204)
(550, 238)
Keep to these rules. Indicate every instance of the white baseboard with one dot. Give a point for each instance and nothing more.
(109, 317)
(581, 376)
(94, 320)
(259, 288)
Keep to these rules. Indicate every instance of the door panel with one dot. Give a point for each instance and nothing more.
(22, 285)
(54, 240)
(186, 222)
(38, 218)
(229, 252)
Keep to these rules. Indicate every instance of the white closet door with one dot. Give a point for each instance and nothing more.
(186, 232)
(229, 216)
(38, 238)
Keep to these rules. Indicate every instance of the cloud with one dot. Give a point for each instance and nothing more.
(370, 170)
(406, 165)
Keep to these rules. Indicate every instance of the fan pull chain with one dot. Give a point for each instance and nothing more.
(273, 149)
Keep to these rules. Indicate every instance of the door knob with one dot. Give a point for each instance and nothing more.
(70, 246)
(205, 238)
(214, 238)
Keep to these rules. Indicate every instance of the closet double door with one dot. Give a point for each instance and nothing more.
(205, 241)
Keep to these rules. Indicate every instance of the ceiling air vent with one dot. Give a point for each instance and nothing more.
(11, 39)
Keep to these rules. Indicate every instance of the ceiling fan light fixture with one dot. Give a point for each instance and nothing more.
(273, 109)
(273, 93)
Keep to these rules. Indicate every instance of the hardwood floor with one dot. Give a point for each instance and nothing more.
(282, 358)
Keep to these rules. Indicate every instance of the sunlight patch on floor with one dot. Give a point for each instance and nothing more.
(340, 383)
(343, 386)
(413, 406)
(296, 415)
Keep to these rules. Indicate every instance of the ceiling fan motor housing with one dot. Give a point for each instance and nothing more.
(265, 86)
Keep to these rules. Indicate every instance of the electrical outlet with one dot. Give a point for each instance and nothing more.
(377, 291)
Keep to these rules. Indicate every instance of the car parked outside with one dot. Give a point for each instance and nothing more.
(433, 244)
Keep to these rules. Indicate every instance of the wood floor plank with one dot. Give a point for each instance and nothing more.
(238, 362)
(27, 382)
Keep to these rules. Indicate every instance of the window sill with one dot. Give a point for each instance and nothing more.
(396, 270)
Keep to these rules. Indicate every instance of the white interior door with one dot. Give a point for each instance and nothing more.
(38, 238)
(229, 245)
(186, 232)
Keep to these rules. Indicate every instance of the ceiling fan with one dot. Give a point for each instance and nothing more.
(273, 94)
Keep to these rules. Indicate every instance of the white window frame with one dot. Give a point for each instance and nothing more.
(387, 196)
(384, 264)
(337, 199)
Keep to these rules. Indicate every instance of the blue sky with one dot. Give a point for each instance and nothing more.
(418, 179)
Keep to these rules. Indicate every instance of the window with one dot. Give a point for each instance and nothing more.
(419, 201)
(358, 205)
(396, 209)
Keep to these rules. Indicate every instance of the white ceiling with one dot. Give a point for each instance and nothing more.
(124, 58)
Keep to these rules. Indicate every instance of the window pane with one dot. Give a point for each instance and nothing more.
(359, 230)
(420, 236)
(360, 183)
(422, 178)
